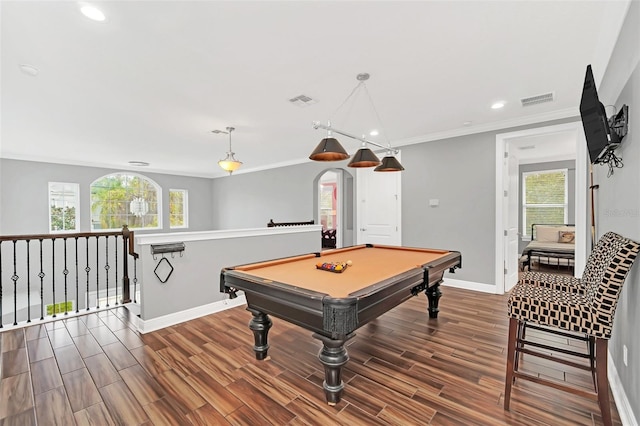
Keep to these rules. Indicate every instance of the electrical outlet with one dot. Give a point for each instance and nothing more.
(624, 355)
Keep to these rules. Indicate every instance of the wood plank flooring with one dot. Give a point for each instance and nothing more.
(404, 369)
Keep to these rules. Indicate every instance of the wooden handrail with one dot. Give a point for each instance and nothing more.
(130, 249)
(62, 235)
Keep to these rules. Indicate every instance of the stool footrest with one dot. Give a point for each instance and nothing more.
(570, 389)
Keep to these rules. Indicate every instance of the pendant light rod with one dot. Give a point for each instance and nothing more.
(317, 125)
(229, 130)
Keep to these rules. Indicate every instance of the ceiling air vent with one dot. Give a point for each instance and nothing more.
(302, 101)
(538, 99)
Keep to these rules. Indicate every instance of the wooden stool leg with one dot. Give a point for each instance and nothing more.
(602, 384)
(520, 335)
(511, 353)
(591, 344)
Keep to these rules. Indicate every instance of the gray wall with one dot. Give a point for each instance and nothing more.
(285, 194)
(195, 280)
(618, 199)
(570, 165)
(460, 172)
(24, 195)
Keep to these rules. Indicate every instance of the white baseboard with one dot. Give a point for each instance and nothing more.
(619, 396)
(146, 326)
(469, 285)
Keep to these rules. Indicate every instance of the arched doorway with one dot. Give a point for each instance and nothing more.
(333, 195)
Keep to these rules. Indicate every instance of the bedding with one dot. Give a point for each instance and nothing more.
(552, 244)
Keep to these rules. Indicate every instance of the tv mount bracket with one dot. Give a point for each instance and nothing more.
(619, 123)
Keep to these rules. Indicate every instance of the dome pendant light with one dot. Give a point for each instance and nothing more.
(229, 163)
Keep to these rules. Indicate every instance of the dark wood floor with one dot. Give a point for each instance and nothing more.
(405, 369)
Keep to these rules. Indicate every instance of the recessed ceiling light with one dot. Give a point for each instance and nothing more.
(497, 105)
(29, 69)
(92, 13)
(374, 132)
(467, 123)
(139, 163)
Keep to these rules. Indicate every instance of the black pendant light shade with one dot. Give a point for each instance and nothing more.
(364, 158)
(329, 149)
(389, 164)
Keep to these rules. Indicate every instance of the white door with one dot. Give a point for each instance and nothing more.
(378, 207)
(511, 220)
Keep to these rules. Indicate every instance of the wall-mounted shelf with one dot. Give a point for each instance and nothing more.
(167, 248)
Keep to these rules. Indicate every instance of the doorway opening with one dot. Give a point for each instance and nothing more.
(514, 149)
(333, 204)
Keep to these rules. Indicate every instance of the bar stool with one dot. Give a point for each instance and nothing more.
(586, 309)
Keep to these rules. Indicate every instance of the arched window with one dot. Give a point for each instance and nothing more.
(125, 199)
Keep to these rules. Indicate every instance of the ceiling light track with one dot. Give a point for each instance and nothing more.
(317, 125)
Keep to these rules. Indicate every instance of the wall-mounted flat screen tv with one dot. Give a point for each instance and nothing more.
(600, 138)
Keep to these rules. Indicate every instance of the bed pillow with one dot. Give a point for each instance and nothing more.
(566, 237)
(547, 234)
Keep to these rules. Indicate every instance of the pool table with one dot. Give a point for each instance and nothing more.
(334, 304)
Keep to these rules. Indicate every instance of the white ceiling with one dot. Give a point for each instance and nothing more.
(152, 81)
(546, 147)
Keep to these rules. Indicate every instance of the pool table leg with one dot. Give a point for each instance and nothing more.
(333, 356)
(260, 325)
(434, 294)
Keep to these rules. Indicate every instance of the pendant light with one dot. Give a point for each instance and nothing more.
(330, 149)
(229, 163)
(364, 158)
(389, 164)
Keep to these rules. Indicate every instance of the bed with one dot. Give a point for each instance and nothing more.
(552, 245)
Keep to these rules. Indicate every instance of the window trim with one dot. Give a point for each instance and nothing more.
(565, 206)
(77, 207)
(185, 208)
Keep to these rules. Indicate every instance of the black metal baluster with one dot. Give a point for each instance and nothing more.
(1, 311)
(97, 274)
(28, 283)
(135, 279)
(15, 278)
(53, 274)
(87, 269)
(65, 272)
(77, 277)
(106, 265)
(116, 274)
(41, 275)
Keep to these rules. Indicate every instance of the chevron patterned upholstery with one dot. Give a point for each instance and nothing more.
(584, 305)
